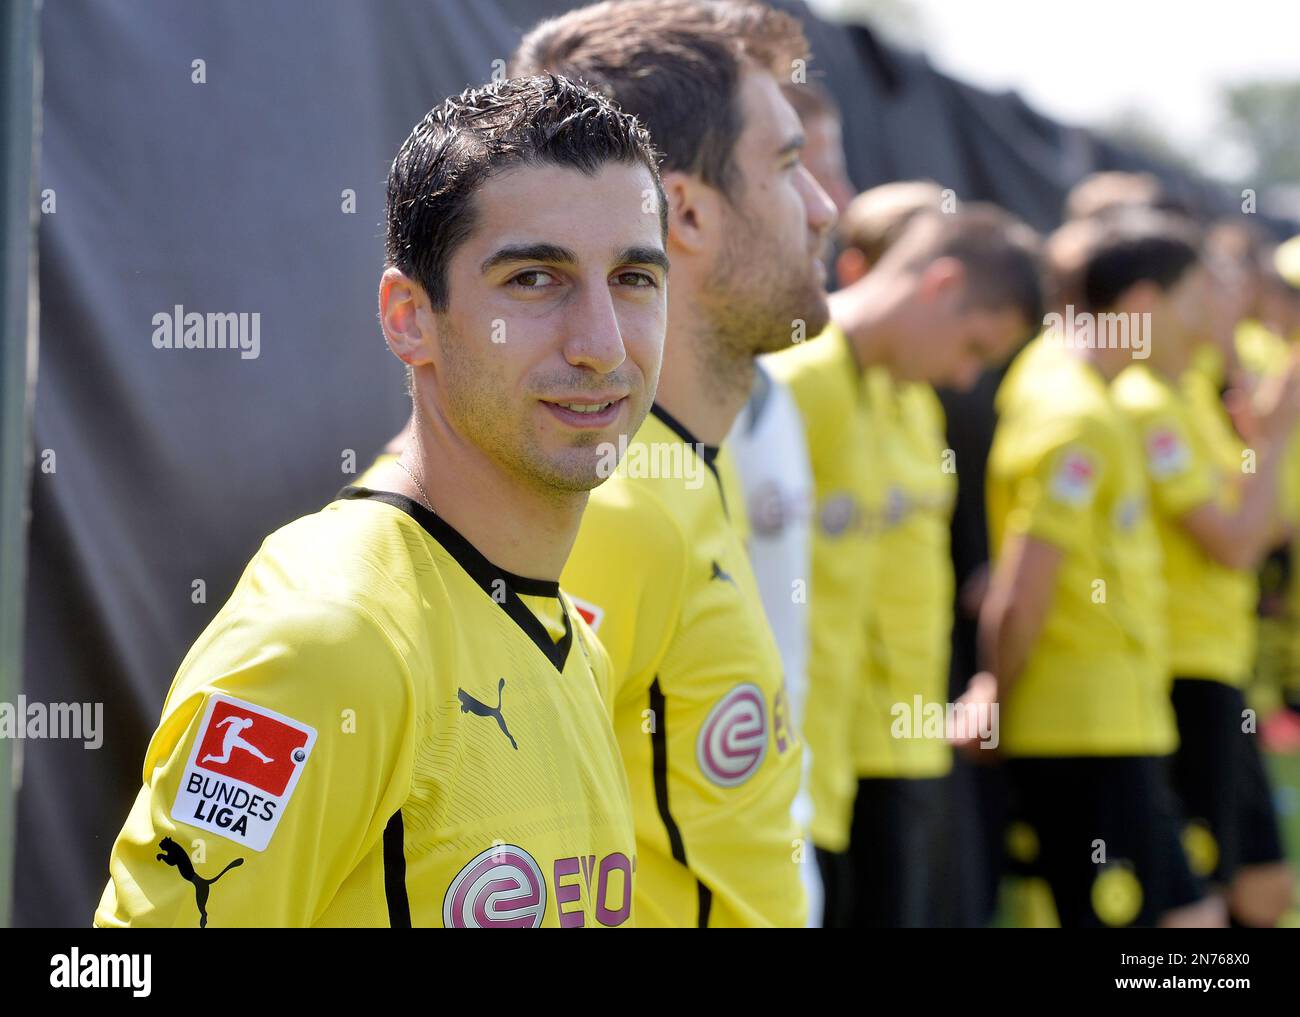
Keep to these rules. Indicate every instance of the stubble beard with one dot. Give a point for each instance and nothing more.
(754, 305)
(482, 414)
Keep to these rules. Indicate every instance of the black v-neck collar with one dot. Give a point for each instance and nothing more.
(491, 579)
(709, 453)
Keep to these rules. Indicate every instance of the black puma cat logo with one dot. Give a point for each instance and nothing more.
(174, 854)
(718, 573)
(468, 704)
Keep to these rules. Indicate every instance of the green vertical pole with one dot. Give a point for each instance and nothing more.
(20, 89)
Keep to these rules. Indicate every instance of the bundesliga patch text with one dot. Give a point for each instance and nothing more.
(242, 770)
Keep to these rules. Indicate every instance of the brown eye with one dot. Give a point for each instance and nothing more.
(533, 279)
(639, 280)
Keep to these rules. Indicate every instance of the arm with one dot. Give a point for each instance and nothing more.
(1018, 603)
(199, 848)
(1240, 538)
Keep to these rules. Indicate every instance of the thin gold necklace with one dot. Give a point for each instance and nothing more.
(424, 495)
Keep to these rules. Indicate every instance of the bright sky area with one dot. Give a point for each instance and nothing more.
(1087, 62)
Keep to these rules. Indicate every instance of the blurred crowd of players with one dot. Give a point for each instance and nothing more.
(1135, 619)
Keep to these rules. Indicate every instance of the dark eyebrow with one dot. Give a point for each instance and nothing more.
(643, 256)
(551, 254)
(795, 144)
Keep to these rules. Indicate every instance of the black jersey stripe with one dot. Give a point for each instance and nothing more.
(659, 757)
(399, 906)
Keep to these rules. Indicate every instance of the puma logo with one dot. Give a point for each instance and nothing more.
(718, 573)
(173, 854)
(468, 704)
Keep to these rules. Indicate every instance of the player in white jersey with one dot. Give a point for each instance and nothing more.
(768, 449)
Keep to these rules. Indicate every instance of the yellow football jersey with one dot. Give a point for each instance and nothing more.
(733, 492)
(909, 617)
(1066, 468)
(824, 379)
(1262, 354)
(700, 710)
(1193, 458)
(376, 731)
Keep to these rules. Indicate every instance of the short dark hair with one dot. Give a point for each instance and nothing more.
(1001, 255)
(676, 64)
(1137, 246)
(459, 144)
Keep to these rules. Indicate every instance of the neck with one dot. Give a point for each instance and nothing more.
(704, 382)
(1107, 362)
(1169, 359)
(519, 527)
(864, 312)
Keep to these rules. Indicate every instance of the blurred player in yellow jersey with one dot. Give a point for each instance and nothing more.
(1074, 625)
(701, 713)
(768, 447)
(1255, 352)
(398, 719)
(1216, 504)
(927, 297)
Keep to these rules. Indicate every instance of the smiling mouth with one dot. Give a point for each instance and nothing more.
(587, 415)
(586, 407)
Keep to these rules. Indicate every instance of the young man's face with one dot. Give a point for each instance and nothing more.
(768, 274)
(954, 340)
(552, 339)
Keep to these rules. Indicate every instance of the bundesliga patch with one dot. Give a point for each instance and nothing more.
(1074, 480)
(591, 614)
(243, 768)
(1166, 453)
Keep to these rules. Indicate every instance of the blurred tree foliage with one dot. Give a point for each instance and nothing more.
(1264, 118)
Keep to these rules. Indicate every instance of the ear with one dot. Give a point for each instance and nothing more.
(406, 317)
(943, 277)
(693, 212)
(850, 266)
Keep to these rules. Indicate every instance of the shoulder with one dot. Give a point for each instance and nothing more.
(1141, 394)
(820, 373)
(1039, 422)
(639, 513)
(921, 404)
(322, 550)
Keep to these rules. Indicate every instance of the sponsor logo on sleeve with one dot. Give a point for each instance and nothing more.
(733, 739)
(1167, 453)
(242, 771)
(1075, 479)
